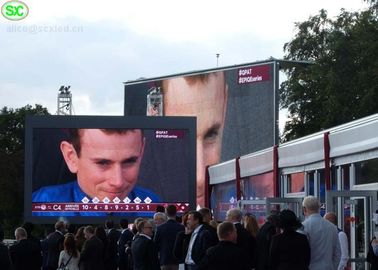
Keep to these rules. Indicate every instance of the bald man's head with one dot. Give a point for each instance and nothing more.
(331, 217)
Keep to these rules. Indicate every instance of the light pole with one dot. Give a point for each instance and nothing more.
(64, 101)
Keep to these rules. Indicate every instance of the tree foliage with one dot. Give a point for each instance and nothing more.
(12, 133)
(373, 3)
(342, 84)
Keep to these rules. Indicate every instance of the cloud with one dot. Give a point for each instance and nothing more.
(95, 46)
(182, 21)
(93, 62)
(13, 95)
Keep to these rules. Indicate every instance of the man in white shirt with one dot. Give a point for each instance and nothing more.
(322, 236)
(200, 241)
(331, 217)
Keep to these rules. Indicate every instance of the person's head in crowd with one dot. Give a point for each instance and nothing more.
(311, 205)
(20, 234)
(145, 227)
(109, 224)
(250, 224)
(287, 220)
(206, 215)
(194, 220)
(273, 218)
(89, 232)
(80, 238)
(171, 211)
(70, 245)
(135, 225)
(80, 232)
(160, 208)
(227, 232)
(106, 161)
(184, 219)
(124, 223)
(213, 224)
(159, 218)
(203, 96)
(331, 217)
(234, 215)
(60, 226)
(100, 233)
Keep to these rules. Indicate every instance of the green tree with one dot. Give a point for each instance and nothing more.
(12, 133)
(342, 84)
(373, 3)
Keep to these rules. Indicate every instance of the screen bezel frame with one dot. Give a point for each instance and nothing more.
(138, 122)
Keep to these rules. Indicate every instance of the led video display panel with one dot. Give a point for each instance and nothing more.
(89, 167)
(236, 109)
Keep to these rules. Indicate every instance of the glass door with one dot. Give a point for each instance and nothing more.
(354, 210)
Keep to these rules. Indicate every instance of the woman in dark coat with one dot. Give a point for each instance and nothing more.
(289, 250)
(372, 256)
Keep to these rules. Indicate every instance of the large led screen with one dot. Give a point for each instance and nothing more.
(101, 166)
(236, 109)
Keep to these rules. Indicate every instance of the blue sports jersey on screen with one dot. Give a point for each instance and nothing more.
(71, 192)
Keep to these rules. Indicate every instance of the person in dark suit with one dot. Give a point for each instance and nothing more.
(165, 237)
(45, 246)
(113, 235)
(143, 248)
(125, 238)
(226, 254)
(55, 245)
(91, 257)
(289, 250)
(244, 239)
(4, 253)
(25, 254)
(264, 239)
(180, 248)
(206, 218)
(100, 233)
(200, 241)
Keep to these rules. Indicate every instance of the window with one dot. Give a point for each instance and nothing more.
(366, 171)
(295, 182)
(258, 186)
(223, 197)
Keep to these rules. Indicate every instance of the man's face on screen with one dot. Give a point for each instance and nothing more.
(108, 163)
(206, 99)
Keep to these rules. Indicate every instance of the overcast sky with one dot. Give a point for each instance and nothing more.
(95, 46)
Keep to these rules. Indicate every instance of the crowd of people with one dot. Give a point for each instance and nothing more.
(192, 242)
